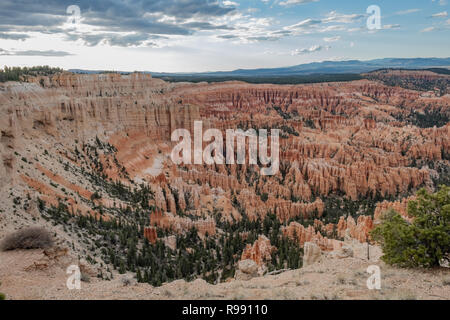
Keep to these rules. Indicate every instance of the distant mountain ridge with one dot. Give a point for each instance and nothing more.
(325, 67)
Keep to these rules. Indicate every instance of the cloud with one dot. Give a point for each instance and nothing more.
(295, 2)
(138, 23)
(332, 39)
(312, 49)
(129, 40)
(45, 53)
(333, 22)
(332, 28)
(115, 39)
(247, 29)
(407, 11)
(304, 23)
(230, 3)
(227, 36)
(206, 26)
(253, 10)
(357, 29)
(441, 2)
(391, 26)
(13, 36)
(263, 38)
(429, 29)
(335, 17)
(440, 15)
(159, 17)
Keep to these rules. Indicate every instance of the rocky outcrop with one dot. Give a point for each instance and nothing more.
(171, 242)
(150, 234)
(311, 253)
(50, 257)
(298, 232)
(260, 251)
(345, 252)
(182, 224)
(246, 270)
(399, 206)
(288, 210)
(358, 230)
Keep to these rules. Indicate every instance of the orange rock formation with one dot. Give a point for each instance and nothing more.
(260, 251)
(339, 139)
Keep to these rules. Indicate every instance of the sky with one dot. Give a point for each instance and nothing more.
(217, 35)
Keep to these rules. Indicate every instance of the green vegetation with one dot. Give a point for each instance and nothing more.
(284, 115)
(423, 242)
(2, 295)
(439, 70)
(119, 242)
(264, 197)
(309, 124)
(429, 119)
(287, 79)
(411, 81)
(338, 206)
(20, 74)
(115, 235)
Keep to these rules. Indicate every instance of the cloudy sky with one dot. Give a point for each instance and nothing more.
(210, 35)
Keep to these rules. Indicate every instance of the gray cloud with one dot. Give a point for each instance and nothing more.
(294, 2)
(312, 49)
(227, 36)
(263, 38)
(13, 36)
(130, 40)
(45, 53)
(206, 26)
(139, 17)
(115, 39)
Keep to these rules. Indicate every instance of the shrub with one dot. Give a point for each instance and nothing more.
(264, 197)
(127, 281)
(20, 74)
(29, 238)
(95, 196)
(425, 241)
(2, 295)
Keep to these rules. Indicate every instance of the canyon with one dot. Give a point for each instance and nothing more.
(94, 150)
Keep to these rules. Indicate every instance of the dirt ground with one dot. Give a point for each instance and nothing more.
(29, 274)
